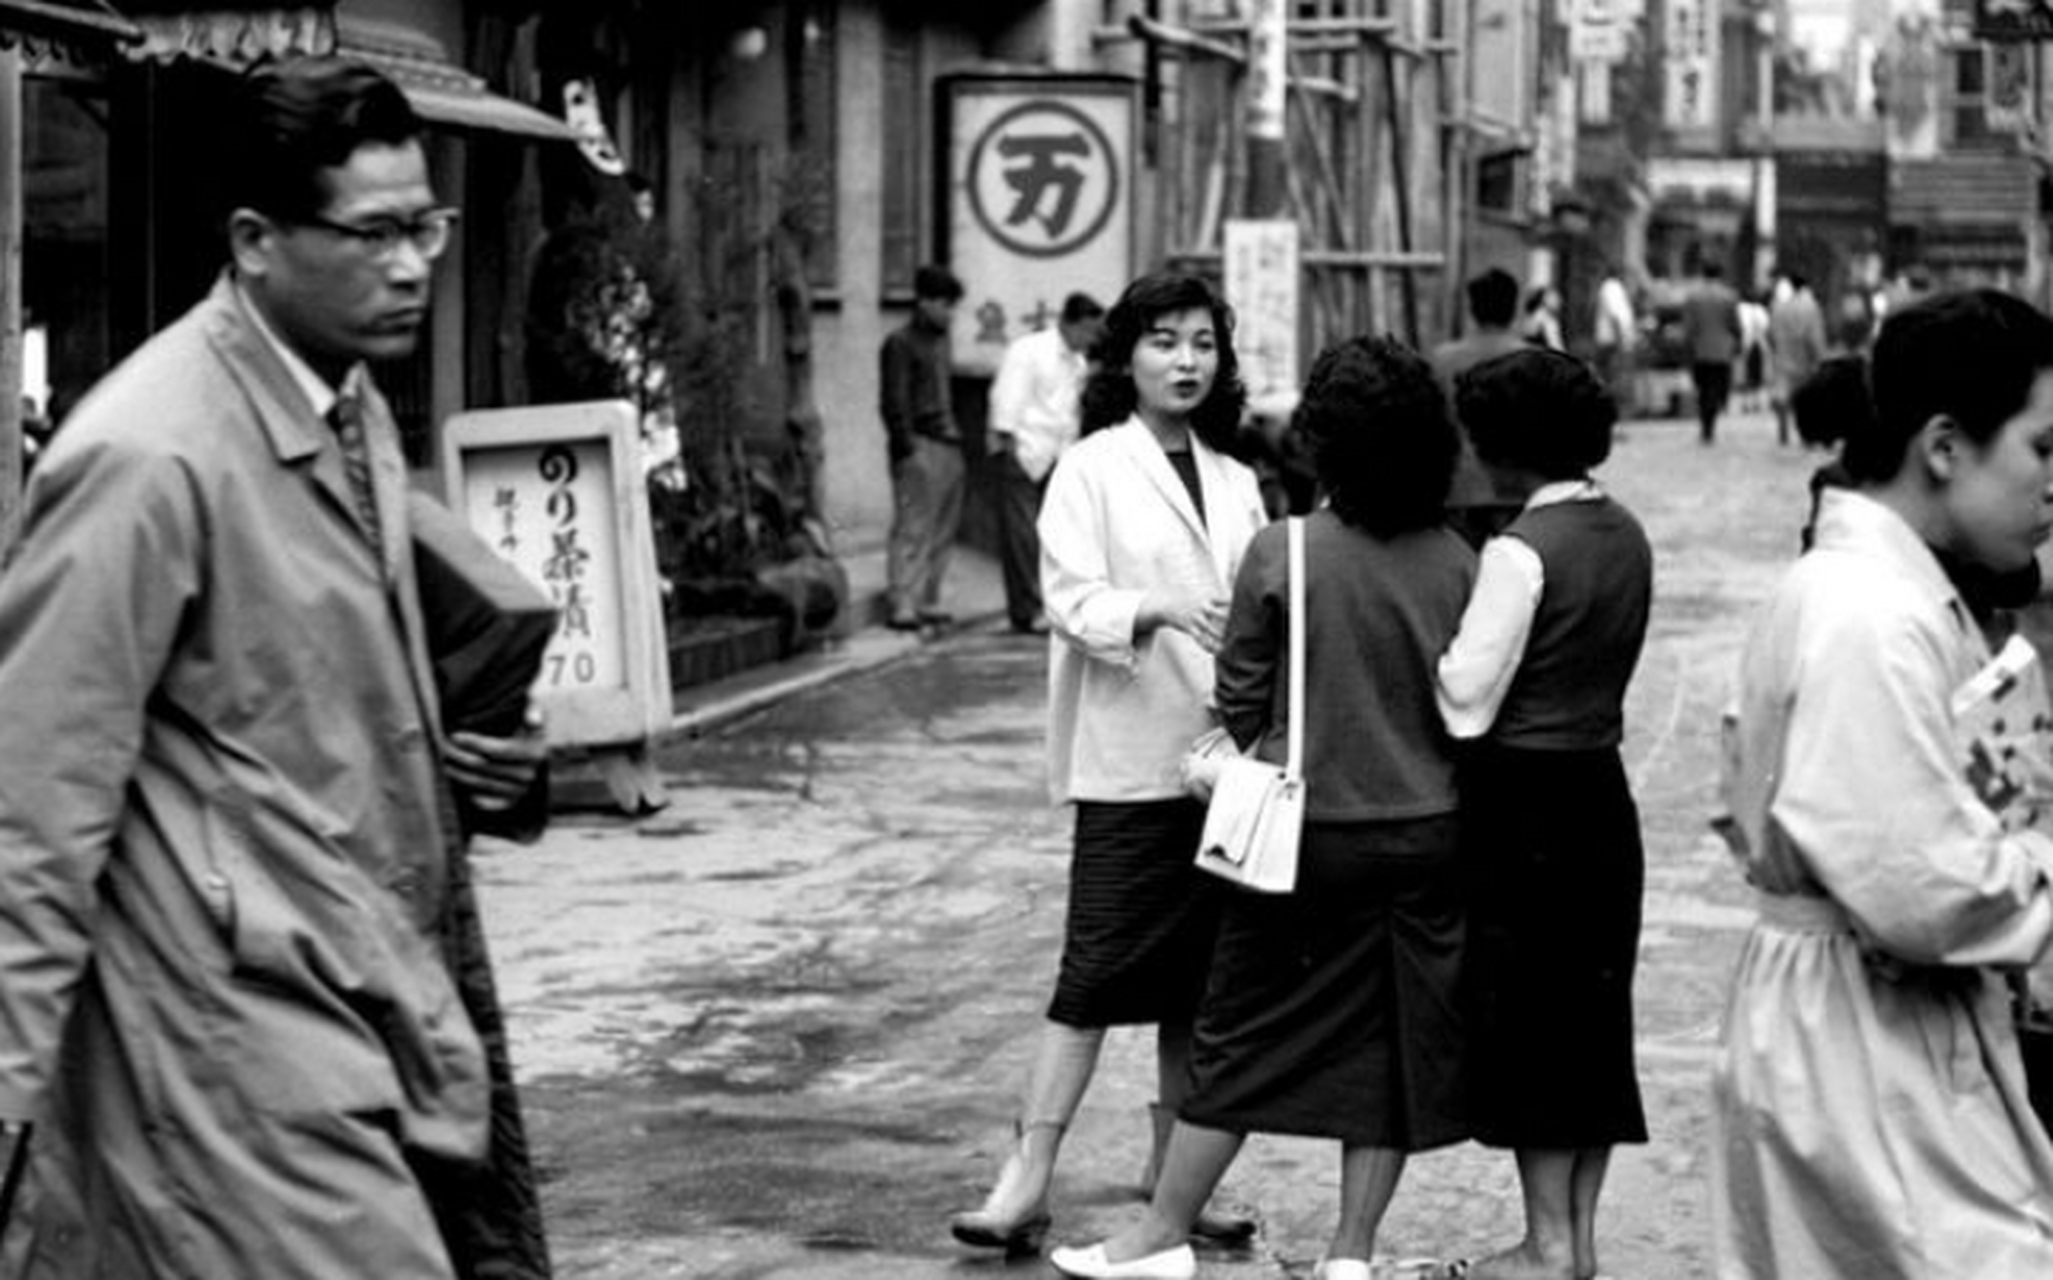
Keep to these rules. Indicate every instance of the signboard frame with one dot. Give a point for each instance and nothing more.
(1014, 285)
(476, 445)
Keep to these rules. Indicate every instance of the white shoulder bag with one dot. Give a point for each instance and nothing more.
(1257, 809)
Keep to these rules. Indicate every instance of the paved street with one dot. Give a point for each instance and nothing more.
(777, 1030)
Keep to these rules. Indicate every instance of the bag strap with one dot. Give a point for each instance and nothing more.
(1294, 764)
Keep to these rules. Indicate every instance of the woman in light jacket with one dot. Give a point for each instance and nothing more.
(1142, 531)
(1871, 1115)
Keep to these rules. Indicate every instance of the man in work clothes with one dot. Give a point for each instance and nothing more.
(1034, 417)
(927, 466)
(228, 856)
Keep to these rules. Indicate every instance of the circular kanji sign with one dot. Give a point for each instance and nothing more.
(1043, 178)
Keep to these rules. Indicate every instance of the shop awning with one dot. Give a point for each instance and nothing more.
(51, 26)
(442, 92)
(449, 95)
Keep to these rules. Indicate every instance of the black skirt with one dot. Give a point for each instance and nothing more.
(1555, 871)
(1333, 1010)
(1138, 938)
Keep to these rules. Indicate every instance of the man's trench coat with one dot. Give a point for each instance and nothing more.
(226, 855)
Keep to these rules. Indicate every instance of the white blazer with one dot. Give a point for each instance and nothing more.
(1116, 523)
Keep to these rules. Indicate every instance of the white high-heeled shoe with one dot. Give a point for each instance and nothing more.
(1179, 1263)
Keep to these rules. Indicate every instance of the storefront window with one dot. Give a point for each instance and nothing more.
(66, 281)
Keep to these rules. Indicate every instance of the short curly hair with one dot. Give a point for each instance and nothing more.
(1382, 440)
(1539, 410)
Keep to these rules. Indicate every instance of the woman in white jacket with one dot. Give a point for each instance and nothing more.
(1142, 531)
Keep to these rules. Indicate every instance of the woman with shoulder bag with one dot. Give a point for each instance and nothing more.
(1330, 1010)
(1142, 530)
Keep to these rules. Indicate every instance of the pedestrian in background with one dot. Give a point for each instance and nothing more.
(1796, 346)
(1870, 1107)
(1615, 334)
(1331, 1011)
(1473, 503)
(1753, 350)
(1035, 403)
(229, 868)
(1536, 681)
(927, 466)
(1541, 324)
(1142, 532)
(1711, 334)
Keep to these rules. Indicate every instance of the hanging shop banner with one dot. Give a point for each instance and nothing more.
(1689, 61)
(1039, 201)
(557, 490)
(1261, 260)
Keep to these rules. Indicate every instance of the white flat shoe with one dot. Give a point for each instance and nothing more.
(1170, 1264)
(1342, 1269)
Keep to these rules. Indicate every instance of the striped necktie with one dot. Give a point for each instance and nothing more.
(347, 418)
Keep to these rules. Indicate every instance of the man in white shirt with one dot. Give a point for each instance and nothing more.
(1616, 331)
(1034, 417)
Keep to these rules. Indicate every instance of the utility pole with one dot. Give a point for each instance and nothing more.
(1268, 74)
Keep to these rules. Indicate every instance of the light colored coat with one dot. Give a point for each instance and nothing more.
(224, 841)
(1871, 1115)
(1116, 524)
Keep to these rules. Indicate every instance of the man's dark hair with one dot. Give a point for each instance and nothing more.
(1541, 410)
(1714, 270)
(1079, 307)
(294, 120)
(1381, 436)
(936, 282)
(1493, 297)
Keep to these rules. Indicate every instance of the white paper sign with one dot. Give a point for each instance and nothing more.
(1262, 288)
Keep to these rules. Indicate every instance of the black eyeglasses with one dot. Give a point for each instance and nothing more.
(428, 233)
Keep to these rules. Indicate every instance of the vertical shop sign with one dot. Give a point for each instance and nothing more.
(1690, 62)
(1262, 288)
(556, 490)
(1039, 202)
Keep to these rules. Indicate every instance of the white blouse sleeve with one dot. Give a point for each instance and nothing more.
(1476, 671)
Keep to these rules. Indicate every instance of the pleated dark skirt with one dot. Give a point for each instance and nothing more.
(1555, 871)
(1333, 1011)
(1138, 937)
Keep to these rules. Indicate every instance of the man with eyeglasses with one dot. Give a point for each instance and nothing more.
(231, 876)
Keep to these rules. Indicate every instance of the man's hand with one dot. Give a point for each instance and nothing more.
(494, 773)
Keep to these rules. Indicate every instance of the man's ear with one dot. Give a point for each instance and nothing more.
(1938, 446)
(249, 242)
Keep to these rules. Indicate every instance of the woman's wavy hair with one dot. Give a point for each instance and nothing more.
(1382, 439)
(1540, 410)
(1108, 395)
(1971, 355)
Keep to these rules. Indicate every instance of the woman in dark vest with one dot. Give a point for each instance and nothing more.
(1536, 680)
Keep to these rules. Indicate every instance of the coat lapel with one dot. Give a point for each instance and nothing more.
(1148, 459)
(297, 434)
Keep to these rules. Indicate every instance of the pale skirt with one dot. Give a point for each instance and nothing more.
(1871, 1120)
